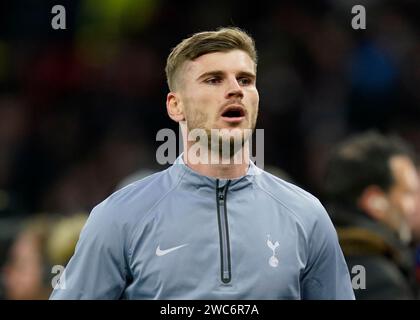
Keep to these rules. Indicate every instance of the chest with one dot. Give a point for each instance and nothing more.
(211, 250)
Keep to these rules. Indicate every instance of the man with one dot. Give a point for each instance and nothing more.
(372, 187)
(26, 273)
(414, 217)
(204, 229)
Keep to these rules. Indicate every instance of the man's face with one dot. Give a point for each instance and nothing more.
(23, 271)
(218, 91)
(403, 194)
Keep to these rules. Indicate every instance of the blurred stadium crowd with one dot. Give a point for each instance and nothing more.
(80, 108)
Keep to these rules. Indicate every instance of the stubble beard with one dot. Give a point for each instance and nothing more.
(198, 120)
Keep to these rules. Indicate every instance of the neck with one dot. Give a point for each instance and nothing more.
(228, 168)
(211, 164)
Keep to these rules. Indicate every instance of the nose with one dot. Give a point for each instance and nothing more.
(234, 89)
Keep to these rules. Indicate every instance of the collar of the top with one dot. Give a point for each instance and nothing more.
(179, 168)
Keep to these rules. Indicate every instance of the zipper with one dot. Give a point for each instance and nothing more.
(223, 231)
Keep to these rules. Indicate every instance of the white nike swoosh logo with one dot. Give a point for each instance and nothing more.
(160, 253)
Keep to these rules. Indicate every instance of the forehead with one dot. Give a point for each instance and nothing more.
(405, 172)
(230, 61)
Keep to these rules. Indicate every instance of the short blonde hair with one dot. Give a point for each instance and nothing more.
(222, 40)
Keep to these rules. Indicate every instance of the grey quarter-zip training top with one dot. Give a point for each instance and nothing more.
(180, 235)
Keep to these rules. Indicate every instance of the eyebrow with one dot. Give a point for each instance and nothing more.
(220, 73)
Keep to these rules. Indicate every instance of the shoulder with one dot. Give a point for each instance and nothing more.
(131, 203)
(300, 203)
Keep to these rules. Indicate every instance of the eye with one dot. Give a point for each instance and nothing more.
(213, 80)
(244, 81)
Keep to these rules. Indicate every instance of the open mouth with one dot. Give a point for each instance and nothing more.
(232, 114)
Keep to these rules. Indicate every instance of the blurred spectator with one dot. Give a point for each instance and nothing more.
(414, 218)
(414, 221)
(372, 185)
(27, 271)
(43, 242)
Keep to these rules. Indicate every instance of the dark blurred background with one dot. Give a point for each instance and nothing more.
(80, 108)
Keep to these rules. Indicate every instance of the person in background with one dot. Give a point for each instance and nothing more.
(372, 186)
(414, 218)
(414, 221)
(44, 242)
(26, 271)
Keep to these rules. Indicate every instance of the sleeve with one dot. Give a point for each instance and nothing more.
(326, 274)
(97, 269)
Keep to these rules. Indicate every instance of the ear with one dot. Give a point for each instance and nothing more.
(374, 202)
(174, 107)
